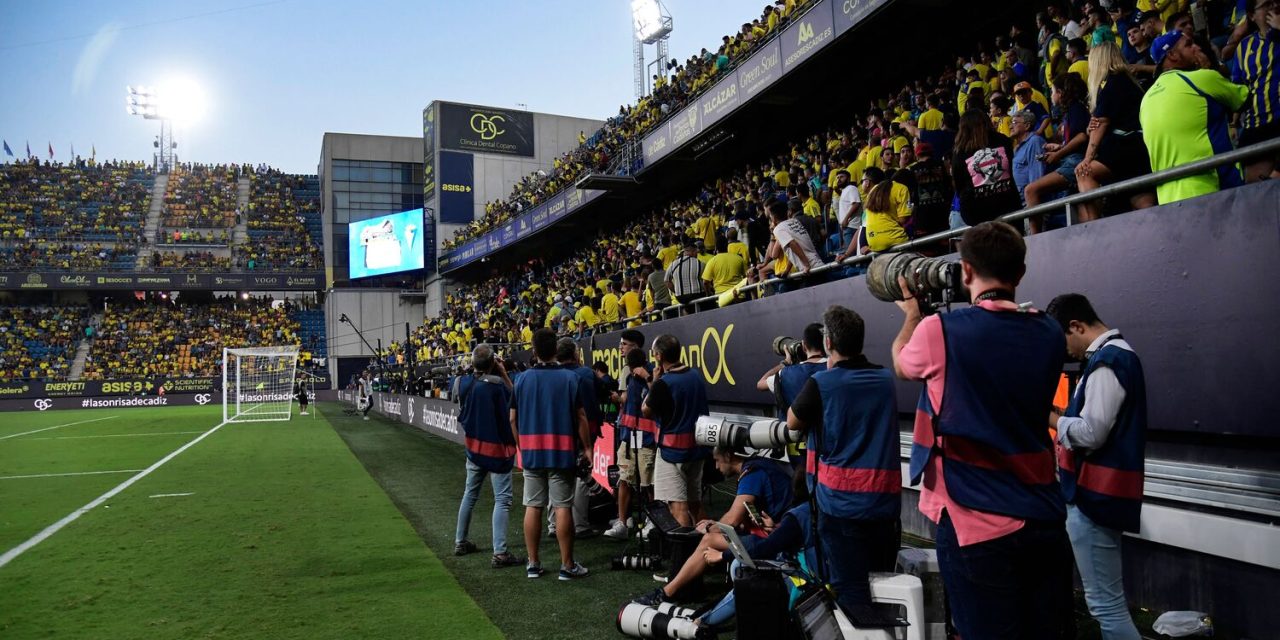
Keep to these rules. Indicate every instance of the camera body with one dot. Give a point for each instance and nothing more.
(935, 282)
(745, 435)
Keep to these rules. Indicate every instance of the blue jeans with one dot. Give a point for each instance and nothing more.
(1014, 587)
(1097, 550)
(724, 610)
(852, 549)
(501, 504)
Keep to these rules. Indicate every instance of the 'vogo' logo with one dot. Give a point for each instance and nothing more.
(43, 404)
(203, 399)
(487, 126)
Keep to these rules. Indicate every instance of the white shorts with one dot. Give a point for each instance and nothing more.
(677, 481)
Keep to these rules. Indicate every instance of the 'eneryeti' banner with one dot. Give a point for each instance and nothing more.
(465, 127)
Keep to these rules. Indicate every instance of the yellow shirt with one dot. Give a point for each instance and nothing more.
(1080, 68)
(898, 143)
(738, 248)
(587, 316)
(668, 255)
(782, 178)
(526, 334)
(705, 228)
(884, 228)
(724, 271)
(930, 120)
(1002, 124)
(812, 208)
(631, 304)
(609, 307)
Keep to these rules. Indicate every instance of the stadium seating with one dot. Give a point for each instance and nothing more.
(33, 255)
(669, 95)
(173, 338)
(200, 197)
(83, 202)
(39, 342)
(284, 226)
(505, 307)
(188, 261)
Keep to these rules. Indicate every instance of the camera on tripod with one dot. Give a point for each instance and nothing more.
(935, 282)
(744, 436)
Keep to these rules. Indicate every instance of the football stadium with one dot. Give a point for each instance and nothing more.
(868, 320)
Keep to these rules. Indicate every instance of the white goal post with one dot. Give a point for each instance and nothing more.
(257, 383)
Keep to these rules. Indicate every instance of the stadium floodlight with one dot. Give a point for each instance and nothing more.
(650, 21)
(257, 383)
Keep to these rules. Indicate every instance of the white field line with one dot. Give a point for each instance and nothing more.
(48, 531)
(172, 495)
(119, 435)
(69, 424)
(59, 475)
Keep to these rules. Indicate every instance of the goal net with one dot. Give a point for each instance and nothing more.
(257, 383)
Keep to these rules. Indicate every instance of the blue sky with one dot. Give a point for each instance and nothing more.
(278, 74)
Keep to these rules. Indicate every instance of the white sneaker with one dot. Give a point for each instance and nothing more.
(647, 530)
(551, 528)
(366, 417)
(303, 413)
(618, 531)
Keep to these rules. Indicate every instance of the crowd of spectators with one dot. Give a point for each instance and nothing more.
(39, 342)
(200, 197)
(1093, 95)
(31, 255)
(172, 338)
(671, 91)
(189, 261)
(280, 206)
(81, 201)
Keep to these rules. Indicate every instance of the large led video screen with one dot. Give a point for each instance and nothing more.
(386, 244)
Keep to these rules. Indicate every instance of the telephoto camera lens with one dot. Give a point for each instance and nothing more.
(640, 621)
(636, 561)
(739, 436)
(923, 275)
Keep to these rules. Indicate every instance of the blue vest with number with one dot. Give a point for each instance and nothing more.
(547, 402)
(992, 431)
(1106, 483)
(676, 442)
(486, 423)
(856, 464)
(631, 417)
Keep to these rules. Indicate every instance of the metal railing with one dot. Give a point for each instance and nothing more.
(1068, 204)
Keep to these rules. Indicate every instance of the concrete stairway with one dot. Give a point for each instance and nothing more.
(82, 351)
(153, 218)
(240, 236)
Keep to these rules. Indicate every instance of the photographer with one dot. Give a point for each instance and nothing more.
(787, 378)
(850, 414)
(365, 401)
(637, 448)
(547, 415)
(987, 461)
(567, 356)
(677, 397)
(1101, 443)
(300, 391)
(763, 483)
(485, 396)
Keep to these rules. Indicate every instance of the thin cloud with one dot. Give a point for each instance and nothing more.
(92, 55)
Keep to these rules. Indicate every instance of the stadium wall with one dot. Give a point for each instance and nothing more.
(380, 314)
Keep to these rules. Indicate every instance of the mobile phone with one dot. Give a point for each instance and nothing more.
(754, 514)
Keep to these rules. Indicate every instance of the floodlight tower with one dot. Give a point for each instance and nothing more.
(146, 102)
(652, 26)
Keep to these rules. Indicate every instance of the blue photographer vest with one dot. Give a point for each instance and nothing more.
(486, 423)
(777, 495)
(631, 417)
(1002, 370)
(595, 417)
(791, 380)
(857, 465)
(1106, 483)
(689, 402)
(547, 401)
